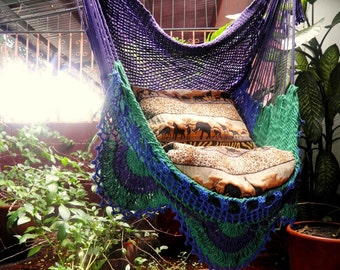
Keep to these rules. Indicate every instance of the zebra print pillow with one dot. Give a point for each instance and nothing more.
(196, 117)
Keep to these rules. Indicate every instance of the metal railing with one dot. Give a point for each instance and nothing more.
(55, 41)
(70, 50)
(59, 53)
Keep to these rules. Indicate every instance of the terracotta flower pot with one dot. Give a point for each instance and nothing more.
(308, 252)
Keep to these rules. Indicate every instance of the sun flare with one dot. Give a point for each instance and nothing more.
(28, 96)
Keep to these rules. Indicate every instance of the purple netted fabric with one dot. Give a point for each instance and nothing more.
(252, 61)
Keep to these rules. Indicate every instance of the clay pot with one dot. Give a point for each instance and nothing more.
(169, 232)
(307, 252)
(10, 250)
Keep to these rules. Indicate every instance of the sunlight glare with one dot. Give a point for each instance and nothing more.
(28, 96)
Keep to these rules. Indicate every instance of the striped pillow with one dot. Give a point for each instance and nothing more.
(195, 117)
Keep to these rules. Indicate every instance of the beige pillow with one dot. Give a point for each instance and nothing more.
(233, 172)
(196, 117)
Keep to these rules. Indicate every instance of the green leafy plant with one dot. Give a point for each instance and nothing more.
(49, 188)
(318, 79)
(213, 35)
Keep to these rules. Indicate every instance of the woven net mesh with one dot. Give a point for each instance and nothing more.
(251, 61)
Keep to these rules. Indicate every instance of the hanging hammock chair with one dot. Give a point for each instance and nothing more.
(251, 62)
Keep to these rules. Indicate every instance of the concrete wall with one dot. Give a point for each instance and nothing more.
(230, 7)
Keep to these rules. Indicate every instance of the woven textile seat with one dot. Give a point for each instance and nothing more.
(252, 61)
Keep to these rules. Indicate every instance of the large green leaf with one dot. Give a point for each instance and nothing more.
(327, 175)
(306, 34)
(62, 231)
(34, 250)
(327, 63)
(218, 32)
(64, 212)
(314, 47)
(335, 21)
(304, 5)
(301, 60)
(334, 84)
(311, 106)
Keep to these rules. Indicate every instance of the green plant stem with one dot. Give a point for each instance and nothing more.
(313, 19)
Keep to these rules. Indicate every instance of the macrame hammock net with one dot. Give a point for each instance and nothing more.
(252, 62)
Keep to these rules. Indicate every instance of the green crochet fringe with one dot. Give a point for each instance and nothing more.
(275, 120)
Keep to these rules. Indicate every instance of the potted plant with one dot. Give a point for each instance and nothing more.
(318, 79)
(10, 250)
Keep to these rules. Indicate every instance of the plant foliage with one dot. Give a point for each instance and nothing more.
(318, 79)
(49, 188)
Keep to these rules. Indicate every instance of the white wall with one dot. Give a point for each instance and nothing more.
(328, 9)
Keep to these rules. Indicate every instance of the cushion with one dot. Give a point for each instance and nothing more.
(196, 117)
(233, 172)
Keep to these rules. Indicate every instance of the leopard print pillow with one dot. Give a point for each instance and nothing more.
(233, 172)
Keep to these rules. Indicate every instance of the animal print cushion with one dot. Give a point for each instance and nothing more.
(233, 172)
(196, 117)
